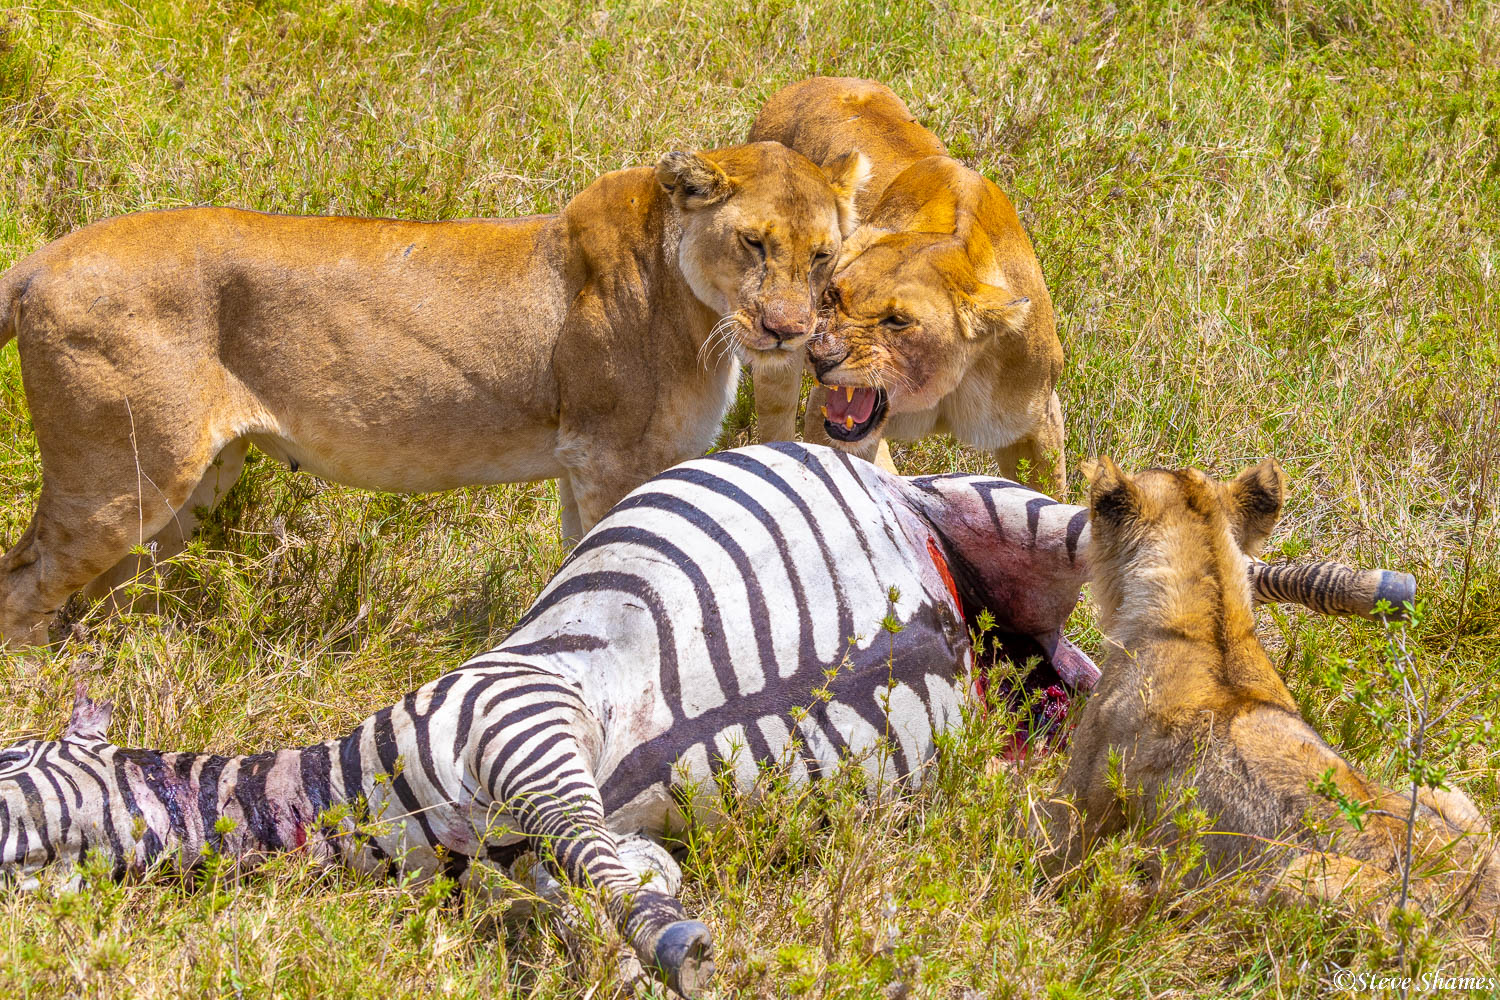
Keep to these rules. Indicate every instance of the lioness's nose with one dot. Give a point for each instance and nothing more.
(826, 354)
(785, 320)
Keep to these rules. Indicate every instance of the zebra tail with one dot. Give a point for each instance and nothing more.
(1333, 588)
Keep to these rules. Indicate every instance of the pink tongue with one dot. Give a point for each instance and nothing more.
(841, 406)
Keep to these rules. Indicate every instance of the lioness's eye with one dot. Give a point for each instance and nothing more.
(752, 243)
(822, 256)
(895, 322)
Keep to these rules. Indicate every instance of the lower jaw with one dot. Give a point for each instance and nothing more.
(840, 435)
(774, 354)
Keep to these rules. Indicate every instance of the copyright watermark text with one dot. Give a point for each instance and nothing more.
(1436, 981)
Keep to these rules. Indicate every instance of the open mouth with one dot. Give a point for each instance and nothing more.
(853, 411)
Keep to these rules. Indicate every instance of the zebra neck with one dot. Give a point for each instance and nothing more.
(240, 807)
(1015, 552)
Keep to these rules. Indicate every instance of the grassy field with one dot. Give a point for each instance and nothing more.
(1269, 226)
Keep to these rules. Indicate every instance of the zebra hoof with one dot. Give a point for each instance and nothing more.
(685, 954)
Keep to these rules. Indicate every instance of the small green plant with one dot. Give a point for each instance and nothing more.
(1396, 695)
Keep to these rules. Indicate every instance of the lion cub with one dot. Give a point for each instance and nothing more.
(1189, 700)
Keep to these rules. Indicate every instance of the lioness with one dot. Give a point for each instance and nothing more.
(1189, 700)
(940, 318)
(597, 346)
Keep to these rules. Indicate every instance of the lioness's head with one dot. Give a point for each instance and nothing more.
(1160, 535)
(907, 315)
(762, 227)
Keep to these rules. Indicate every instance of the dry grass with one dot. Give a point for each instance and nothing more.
(1269, 228)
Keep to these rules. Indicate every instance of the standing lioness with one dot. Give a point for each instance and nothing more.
(407, 356)
(939, 319)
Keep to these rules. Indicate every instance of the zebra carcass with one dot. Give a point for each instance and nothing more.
(780, 604)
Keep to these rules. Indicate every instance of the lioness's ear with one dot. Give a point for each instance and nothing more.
(847, 176)
(1255, 499)
(863, 239)
(693, 180)
(1113, 498)
(992, 309)
(90, 719)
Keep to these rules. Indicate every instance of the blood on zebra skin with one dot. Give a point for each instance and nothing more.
(778, 604)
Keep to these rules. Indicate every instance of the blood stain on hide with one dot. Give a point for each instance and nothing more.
(981, 685)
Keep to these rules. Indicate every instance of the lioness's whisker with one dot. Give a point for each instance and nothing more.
(719, 339)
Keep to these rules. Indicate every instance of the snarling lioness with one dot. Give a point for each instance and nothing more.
(1191, 709)
(598, 346)
(940, 320)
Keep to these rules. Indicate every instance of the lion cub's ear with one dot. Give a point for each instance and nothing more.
(1113, 498)
(992, 309)
(847, 176)
(1255, 499)
(693, 180)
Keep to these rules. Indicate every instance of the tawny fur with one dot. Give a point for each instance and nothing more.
(1189, 700)
(938, 299)
(598, 346)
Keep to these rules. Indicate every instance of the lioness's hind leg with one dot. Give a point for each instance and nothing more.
(92, 511)
(217, 480)
(70, 541)
(21, 624)
(567, 508)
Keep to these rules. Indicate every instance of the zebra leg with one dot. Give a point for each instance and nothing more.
(1331, 588)
(647, 860)
(650, 863)
(552, 794)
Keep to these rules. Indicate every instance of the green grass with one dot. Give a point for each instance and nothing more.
(1269, 228)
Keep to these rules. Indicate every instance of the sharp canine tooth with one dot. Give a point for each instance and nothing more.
(848, 393)
(848, 423)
